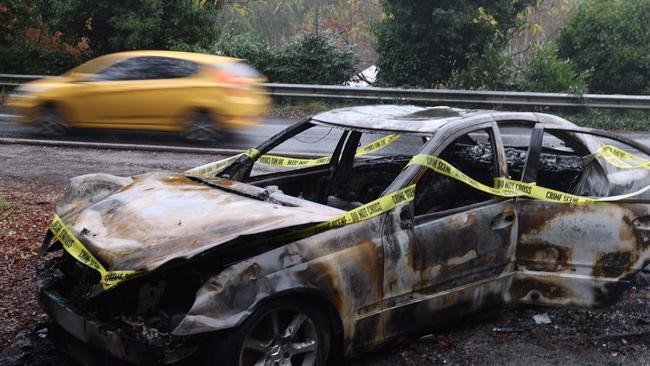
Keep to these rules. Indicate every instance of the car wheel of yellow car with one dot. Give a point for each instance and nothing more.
(50, 122)
(201, 127)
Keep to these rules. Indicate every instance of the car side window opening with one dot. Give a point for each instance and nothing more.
(365, 177)
(602, 175)
(559, 163)
(351, 181)
(474, 155)
(148, 68)
(568, 162)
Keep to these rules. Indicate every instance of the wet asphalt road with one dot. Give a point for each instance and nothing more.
(241, 139)
(317, 140)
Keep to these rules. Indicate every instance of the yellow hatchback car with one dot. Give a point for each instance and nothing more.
(201, 96)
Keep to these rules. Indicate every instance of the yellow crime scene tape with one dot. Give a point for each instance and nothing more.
(78, 251)
(283, 161)
(216, 166)
(503, 187)
(110, 279)
(369, 210)
(621, 158)
(440, 166)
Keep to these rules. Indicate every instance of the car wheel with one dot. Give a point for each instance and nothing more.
(202, 128)
(50, 122)
(282, 333)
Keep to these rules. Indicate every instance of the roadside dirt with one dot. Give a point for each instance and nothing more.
(32, 178)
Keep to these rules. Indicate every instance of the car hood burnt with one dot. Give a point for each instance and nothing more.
(142, 222)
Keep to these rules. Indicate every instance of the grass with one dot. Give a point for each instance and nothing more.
(4, 204)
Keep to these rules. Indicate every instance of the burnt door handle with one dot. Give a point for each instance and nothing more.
(502, 221)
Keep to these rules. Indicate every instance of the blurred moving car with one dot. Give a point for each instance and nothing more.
(198, 95)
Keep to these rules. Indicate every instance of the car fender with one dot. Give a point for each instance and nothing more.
(342, 267)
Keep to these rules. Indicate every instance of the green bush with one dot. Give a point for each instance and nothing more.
(314, 57)
(495, 70)
(250, 47)
(545, 72)
(612, 37)
(310, 57)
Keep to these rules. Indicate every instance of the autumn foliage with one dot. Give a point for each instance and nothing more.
(51, 36)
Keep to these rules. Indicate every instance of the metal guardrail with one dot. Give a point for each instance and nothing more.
(431, 96)
(14, 80)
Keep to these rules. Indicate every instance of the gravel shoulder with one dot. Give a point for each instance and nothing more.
(32, 178)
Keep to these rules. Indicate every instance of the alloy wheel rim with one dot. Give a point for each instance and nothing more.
(283, 337)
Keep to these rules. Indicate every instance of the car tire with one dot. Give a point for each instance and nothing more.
(284, 332)
(201, 127)
(51, 123)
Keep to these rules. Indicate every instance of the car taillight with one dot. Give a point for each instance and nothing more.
(229, 78)
(236, 74)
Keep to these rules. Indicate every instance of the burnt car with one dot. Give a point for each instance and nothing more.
(415, 217)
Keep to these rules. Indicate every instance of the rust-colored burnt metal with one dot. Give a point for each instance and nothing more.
(143, 222)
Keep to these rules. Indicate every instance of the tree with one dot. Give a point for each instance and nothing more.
(29, 45)
(421, 42)
(112, 26)
(71, 31)
(611, 38)
(277, 21)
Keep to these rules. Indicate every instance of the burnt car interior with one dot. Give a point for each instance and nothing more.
(347, 181)
(472, 154)
(555, 159)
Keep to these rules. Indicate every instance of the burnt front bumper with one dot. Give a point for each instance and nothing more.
(91, 341)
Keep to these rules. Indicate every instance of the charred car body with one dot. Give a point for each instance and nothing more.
(231, 273)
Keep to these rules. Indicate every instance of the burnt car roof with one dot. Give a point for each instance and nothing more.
(426, 120)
